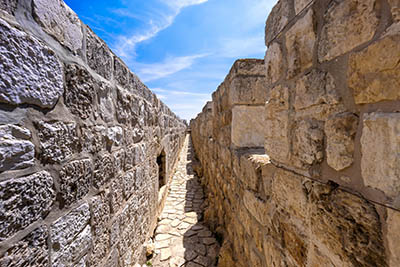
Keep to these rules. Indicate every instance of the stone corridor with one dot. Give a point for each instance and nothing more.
(181, 238)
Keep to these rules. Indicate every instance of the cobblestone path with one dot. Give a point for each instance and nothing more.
(181, 239)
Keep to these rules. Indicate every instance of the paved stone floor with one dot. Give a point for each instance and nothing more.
(181, 239)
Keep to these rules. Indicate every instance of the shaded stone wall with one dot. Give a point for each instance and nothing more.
(79, 139)
(324, 190)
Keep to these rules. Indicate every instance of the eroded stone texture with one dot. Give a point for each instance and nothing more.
(115, 135)
(98, 55)
(395, 8)
(8, 6)
(105, 102)
(80, 91)
(299, 5)
(93, 138)
(248, 126)
(380, 146)
(393, 236)
(16, 149)
(58, 140)
(120, 72)
(373, 75)
(33, 201)
(30, 72)
(340, 132)
(277, 20)
(31, 251)
(300, 40)
(70, 237)
(248, 90)
(59, 21)
(273, 63)
(104, 170)
(348, 25)
(75, 180)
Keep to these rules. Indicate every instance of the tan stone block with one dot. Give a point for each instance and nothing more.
(248, 126)
(299, 5)
(247, 90)
(340, 132)
(251, 166)
(348, 24)
(260, 209)
(277, 143)
(374, 73)
(277, 20)
(393, 237)
(395, 8)
(295, 244)
(300, 40)
(273, 63)
(273, 255)
(380, 146)
(318, 259)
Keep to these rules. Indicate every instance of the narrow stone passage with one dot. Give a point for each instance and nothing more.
(181, 238)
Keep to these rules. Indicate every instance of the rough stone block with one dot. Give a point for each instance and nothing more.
(380, 146)
(299, 5)
(120, 72)
(30, 73)
(348, 25)
(248, 90)
(16, 149)
(58, 20)
(277, 138)
(340, 132)
(105, 103)
(300, 40)
(75, 180)
(115, 136)
(31, 251)
(248, 126)
(393, 236)
(9, 6)
(123, 106)
(104, 170)
(70, 237)
(93, 138)
(250, 166)
(98, 55)
(34, 196)
(100, 248)
(58, 140)
(128, 181)
(395, 8)
(119, 161)
(80, 91)
(117, 198)
(273, 63)
(277, 20)
(374, 75)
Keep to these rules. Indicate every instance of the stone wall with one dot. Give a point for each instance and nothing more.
(79, 139)
(324, 191)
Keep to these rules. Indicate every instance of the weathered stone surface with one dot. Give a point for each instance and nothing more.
(58, 140)
(16, 149)
(380, 146)
(315, 88)
(98, 55)
(349, 24)
(300, 40)
(299, 5)
(248, 90)
(277, 138)
(373, 75)
(31, 251)
(80, 91)
(34, 196)
(93, 138)
(115, 135)
(120, 72)
(393, 236)
(248, 126)
(104, 170)
(70, 237)
(8, 6)
(395, 8)
(340, 132)
(128, 181)
(75, 180)
(59, 21)
(273, 63)
(117, 198)
(277, 20)
(30, 73)
(105, 102)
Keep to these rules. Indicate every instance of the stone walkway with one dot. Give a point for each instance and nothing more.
(181, 239)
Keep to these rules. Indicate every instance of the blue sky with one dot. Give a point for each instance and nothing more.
(181, 49)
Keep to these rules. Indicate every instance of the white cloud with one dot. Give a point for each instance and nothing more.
(242, 47)
(171, 65)
(179, 4)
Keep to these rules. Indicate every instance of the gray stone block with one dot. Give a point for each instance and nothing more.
(98, 55)
(104, 170)
(9, 6)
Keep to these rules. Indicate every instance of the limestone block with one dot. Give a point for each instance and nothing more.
(380, 146)
(80, 91)
(299, 5)
(393, 236)
(348, 25)
(250, 166)
(31, 251)
(277, 138)
(260, 209)
(30, 73)
(273, 63)
(117, 197)
(75, 180)
(374, 73)
(395, 7)
(105, 102)
(123, 106)
(100, 213)
(58, 140)
(58, 20)
(300, 40)
(100, 248)
(128, 181)
(115, 136)
(70, 236)
(93, 138)
(104, 170)
(35, 198)
(340, 132)
(120, 72)
(119, 161)
(9, 6)
(295, 242)
(98, 55)
(347, 225)
(248, 126)
(315, 88)
(277, 20)
(248, 67)
(308, 143)
(16, 149)
(272, 253)
(248, 90)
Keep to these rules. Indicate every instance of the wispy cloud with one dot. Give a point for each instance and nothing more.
(171, 65)
(179, 4)
(179, 93)
(242, 47)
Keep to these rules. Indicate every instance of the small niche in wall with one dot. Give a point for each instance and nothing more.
(162, 170)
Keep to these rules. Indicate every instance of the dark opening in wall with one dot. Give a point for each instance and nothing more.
(161, 161)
